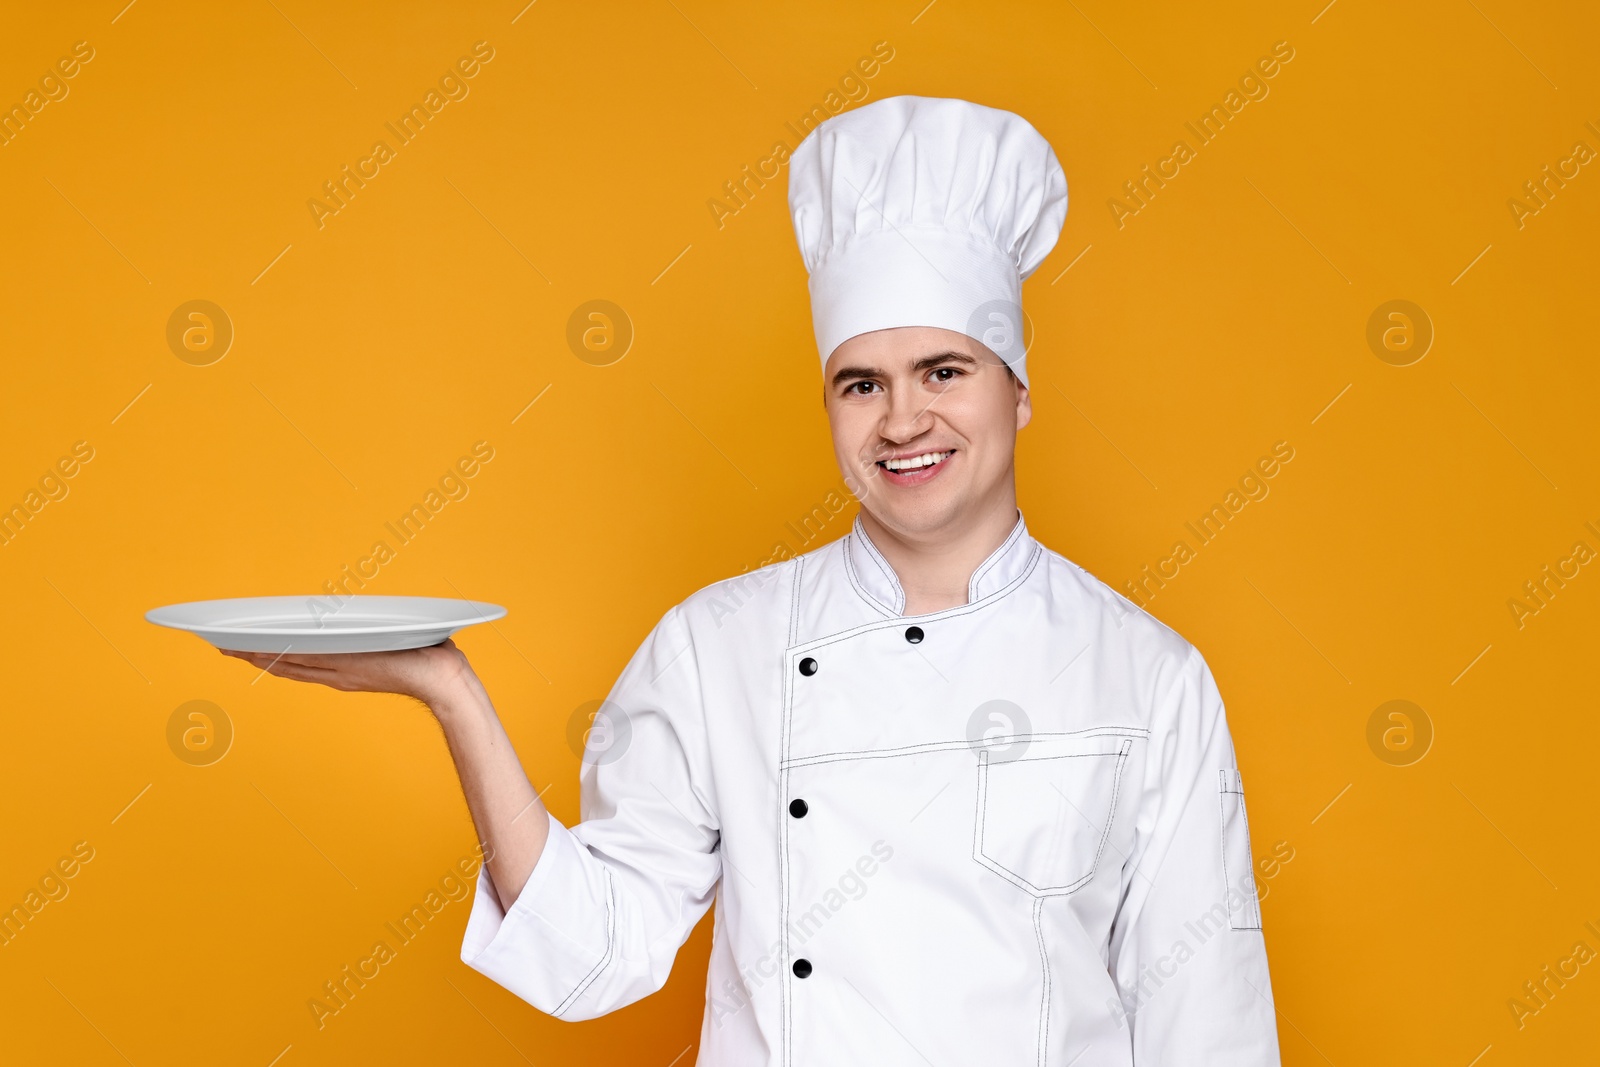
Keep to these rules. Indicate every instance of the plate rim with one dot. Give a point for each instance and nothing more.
(493, 612)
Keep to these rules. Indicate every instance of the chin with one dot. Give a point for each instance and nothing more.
(915, 517)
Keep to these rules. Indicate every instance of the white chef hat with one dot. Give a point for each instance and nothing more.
(921, 211)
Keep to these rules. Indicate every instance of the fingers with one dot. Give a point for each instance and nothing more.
(350, 672)
(283, 666)
(263, 658)
(293, 673)
(348, 677)
(324, 660)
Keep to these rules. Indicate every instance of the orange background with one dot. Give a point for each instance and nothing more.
(1228, 314)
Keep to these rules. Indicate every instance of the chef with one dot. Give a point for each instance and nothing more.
(952, 799)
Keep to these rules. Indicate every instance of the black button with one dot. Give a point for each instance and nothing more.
(914, 634)
(802, 968)
(808, 666)
(798, 808)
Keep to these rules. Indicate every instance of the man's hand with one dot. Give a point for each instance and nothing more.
(497, 789)
(425, 674)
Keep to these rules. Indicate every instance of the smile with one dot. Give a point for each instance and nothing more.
(911, 463)
(905, 465)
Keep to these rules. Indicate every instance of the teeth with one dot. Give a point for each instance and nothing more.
(927, 459)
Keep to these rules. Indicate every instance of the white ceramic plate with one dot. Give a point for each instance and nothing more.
(319, 624)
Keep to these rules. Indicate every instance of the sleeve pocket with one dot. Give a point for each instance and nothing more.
(1238, 867)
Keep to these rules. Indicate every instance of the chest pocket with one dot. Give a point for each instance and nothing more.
(1045, 813)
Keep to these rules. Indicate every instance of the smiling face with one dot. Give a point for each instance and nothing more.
(925, 425)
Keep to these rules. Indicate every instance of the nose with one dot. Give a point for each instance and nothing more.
(907, 417)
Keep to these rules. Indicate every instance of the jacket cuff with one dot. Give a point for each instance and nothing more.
(559, 934)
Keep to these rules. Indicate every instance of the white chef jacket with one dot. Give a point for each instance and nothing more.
(1009, 832)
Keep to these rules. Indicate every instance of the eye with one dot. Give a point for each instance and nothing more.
(861, 388)
(944, 375)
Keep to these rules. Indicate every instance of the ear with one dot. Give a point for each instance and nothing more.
(1024, 405)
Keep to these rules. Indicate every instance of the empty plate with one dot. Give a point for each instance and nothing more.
(322, 624)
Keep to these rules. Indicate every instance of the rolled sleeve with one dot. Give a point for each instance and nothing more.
(612, 899)
(555, 941)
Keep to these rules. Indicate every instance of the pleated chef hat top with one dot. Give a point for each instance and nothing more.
(922, 211)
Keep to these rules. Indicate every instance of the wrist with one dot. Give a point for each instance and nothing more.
(454, 694)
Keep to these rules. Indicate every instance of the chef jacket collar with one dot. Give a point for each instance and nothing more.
(874, 579)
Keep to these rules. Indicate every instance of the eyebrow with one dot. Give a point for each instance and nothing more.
(849, 374)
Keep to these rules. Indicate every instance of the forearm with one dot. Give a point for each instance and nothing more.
(510, 819)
